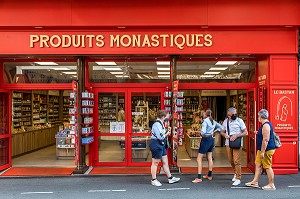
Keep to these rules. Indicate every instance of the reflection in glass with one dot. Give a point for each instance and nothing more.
(4, 113)
(4, 149)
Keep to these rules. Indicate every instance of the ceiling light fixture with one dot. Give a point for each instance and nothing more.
(112, 68)
(225, 62)
(122, 76)
(211, 73)
(160, 68)
(117, 73)
(164, 73)
(105, 63)
(218, 68)
(167, 63)
(46, 63)
(163, 76)
(70, 73)
(60, 69)
(207, 76)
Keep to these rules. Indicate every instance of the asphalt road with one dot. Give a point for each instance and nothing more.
(138, 186)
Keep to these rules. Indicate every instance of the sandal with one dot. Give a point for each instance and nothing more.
(252, 184)
(197, 180)
(268, 187)
(207, 177)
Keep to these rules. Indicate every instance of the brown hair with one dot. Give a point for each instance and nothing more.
(162, 113)
(209, 113)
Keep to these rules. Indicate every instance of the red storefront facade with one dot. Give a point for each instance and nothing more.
(73, 28)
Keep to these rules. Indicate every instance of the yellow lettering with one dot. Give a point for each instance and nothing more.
(58, 41)
(90, 37)
(100, 42)
(65, 43)
(82, 41)
(164, 39)
(190, 40)
(146, 41)
(179, 45)
(33, 39)
(208, 40)
(124, 37)
(172, 40)
(114, 40)
(155, 41)
(198, 41)
(43, 41)
(136, 40)
(76, 41)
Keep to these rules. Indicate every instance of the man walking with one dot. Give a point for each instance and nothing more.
(234, 128)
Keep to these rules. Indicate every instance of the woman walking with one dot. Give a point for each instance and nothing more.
(207, 145)
(265, 145)
(158, 148)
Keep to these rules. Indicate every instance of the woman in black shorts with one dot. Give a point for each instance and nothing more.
(207, 145)
(158, 149)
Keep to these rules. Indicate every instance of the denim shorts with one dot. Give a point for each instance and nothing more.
(157, 149)
(207, 145)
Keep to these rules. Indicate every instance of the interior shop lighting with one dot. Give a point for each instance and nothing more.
(117, 73)
(207, 76)
(164, 73)
(160, 68)
(106, 63)
(211, 73)
(46, 63)
(146, 76)
(122, 76)
(218, 68)
(225, 62)
(70, 73)
(140, 77)
(112, 68)
(163, 76)
(60, 69)
(167, 63)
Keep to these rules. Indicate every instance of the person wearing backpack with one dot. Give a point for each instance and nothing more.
(207, 145)
(158, 148)
(265, 145)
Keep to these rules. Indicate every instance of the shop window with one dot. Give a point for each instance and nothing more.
(216, 71)
(4, 151)
(39, 72)
(4, 114)
(128, 71)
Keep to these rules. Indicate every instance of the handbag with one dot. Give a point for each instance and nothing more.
(167, 145)
(277, 141)
(237, 143)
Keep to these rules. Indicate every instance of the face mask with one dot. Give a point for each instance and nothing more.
(233, 117)
(166, 119)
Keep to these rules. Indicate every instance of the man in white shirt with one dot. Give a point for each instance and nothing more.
(237, 128)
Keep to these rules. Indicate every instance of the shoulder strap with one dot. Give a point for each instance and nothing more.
(228, 127)
(158, 121)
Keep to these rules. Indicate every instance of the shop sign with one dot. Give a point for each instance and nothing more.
(137, 113)
(284, 109)
(262, 80)
(179, 41)
(117, 127)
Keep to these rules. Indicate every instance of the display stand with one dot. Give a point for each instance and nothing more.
(87, 128)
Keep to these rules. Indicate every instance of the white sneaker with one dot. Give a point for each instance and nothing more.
(236, 183)
(173, 180)
(234, 178)
(156, 183)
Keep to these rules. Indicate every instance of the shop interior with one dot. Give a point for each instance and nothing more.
(39, 119)
(45, 113)
(195, 103)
